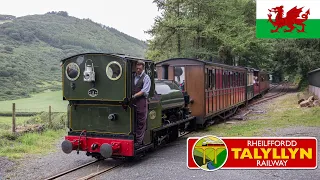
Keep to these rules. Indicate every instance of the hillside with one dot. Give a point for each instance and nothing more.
(31, 47)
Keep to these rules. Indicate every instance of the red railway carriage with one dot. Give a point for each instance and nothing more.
(264, 82)
(261, 82)
(256, 87)
(214, 88)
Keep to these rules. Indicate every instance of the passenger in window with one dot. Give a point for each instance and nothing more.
(182, 86)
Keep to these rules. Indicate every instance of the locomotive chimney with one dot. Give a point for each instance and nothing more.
(165, 71)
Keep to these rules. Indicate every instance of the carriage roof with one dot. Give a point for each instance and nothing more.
(202, 62)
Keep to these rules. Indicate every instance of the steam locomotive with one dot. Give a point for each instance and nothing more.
(185, 94)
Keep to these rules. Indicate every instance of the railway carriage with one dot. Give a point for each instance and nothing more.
(264, 84)
(261, 82)
(215, 89)
(250, 85)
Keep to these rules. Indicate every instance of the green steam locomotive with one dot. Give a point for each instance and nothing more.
(101, 114)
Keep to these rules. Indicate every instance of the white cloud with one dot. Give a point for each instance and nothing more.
(132, 17)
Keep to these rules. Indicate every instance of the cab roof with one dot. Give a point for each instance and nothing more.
(123, 56)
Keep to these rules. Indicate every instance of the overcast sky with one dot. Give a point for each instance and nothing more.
(132, 17)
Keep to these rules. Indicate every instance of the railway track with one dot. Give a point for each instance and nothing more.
(92, 175)
(273, 93)
(65, 174)
(283, 91)
(270, 92)
(71, 170)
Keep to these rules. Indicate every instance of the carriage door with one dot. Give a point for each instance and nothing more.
(179, 77)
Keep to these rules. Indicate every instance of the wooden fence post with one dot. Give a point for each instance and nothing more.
(50, 116)
(14, 118)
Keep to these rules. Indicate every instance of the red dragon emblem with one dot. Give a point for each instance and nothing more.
(292, 17)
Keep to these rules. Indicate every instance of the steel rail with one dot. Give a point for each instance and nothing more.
(71, 170)
(283, 91)
(92, 175)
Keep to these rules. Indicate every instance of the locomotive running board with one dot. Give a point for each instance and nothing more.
(175, 123)
(141, 149)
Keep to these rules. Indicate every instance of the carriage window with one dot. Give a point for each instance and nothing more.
(179, 74)
(251, 78)
(230, 78)
(237, 79)
(210, 78)
(206, 78)
(223, 81)
(227, 79)
(213, 78)
(155, 74)
(114, 70)
(242, 81)
(234, 79)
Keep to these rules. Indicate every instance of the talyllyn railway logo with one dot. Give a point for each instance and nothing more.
(211, 153)
(292, 18)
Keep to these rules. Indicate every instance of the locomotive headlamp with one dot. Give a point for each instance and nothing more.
(112, 117)
(89, 74)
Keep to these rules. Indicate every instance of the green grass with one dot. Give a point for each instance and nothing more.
(18, 145)
(37, 103)
(6, 122)
(30, 143)
(45, 84)
(284, 112)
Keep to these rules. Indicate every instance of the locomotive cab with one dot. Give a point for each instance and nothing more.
(98, 87)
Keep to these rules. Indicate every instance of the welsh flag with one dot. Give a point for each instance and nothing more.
(288, 19)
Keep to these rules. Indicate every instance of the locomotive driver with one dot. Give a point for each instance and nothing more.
(140, 93)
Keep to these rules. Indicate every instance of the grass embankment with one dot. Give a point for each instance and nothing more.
(19, 145)
(283, 112)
